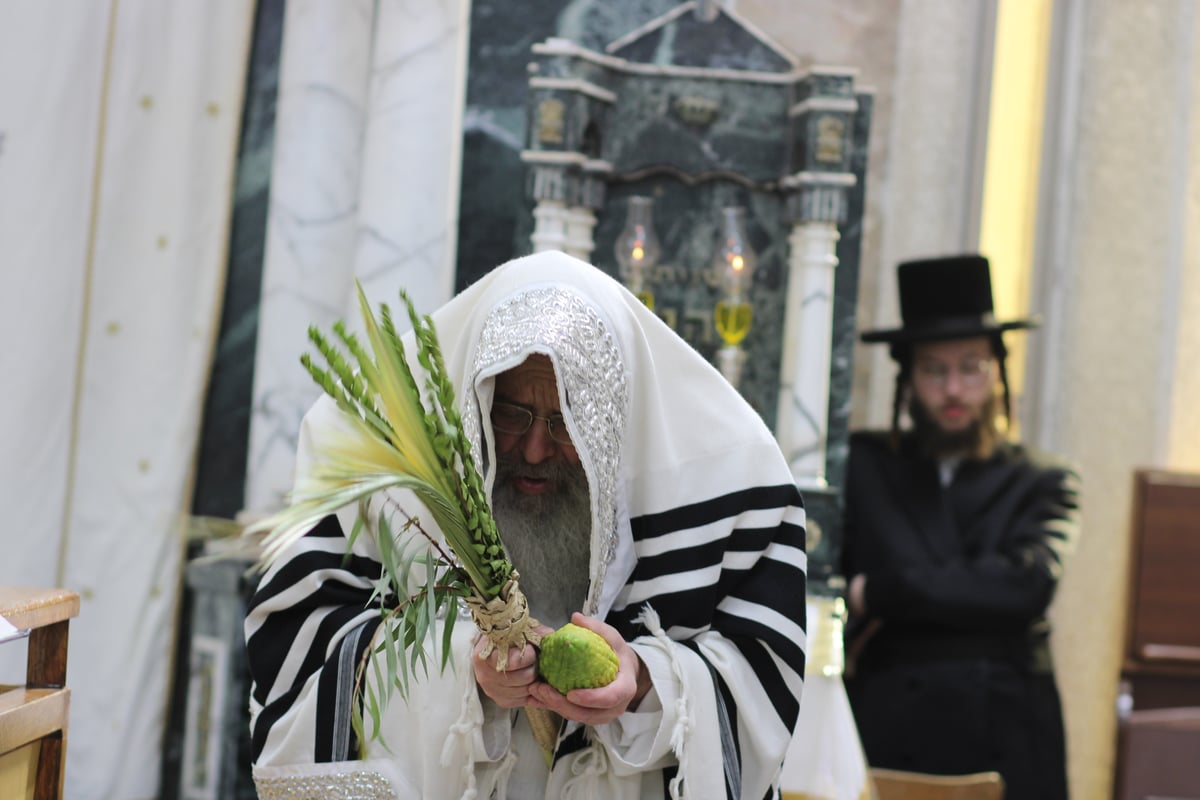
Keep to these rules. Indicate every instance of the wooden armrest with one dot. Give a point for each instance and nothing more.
(28, 608)
(36, 713)
(46, 614)
(27, 715)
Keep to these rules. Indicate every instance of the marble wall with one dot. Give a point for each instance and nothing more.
(495, 213)
(749, 138)
(221, 463)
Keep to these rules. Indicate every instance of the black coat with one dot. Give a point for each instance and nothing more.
(950, 670)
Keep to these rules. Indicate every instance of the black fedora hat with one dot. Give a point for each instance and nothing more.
(945, 298)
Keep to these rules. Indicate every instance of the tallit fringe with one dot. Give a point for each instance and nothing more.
(683, 724)
(588, 766)
(503, 772)
(459, 739)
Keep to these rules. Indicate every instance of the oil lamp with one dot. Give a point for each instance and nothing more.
(733, 266)
(637, 248)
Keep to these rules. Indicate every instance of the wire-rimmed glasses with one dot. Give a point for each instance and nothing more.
(516, 420)
(973, 372)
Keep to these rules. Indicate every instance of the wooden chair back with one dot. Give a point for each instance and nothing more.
(891, 784)
(33, 714)
(1157, 754)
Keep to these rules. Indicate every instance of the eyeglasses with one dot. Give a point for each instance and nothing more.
(973, 373)
(516, 420)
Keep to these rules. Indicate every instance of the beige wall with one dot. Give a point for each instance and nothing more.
(1008, 220)
(1183, 429)
(1117, 269)
(927, 64)
(1116, 265)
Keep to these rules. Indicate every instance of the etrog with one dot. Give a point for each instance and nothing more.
(576, 658)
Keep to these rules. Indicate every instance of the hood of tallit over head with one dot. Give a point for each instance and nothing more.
(639, 401)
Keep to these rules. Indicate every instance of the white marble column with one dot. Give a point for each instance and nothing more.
(312, 223)
(730, 360)
(407, 230)
(803, 411)
(556, 224)
(549, 226)
(364, 185)
(581, 222)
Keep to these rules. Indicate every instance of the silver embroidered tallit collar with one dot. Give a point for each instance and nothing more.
(593, 393)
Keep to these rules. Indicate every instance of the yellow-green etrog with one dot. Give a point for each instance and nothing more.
(574, 657)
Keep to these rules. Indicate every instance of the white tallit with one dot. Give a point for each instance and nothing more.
(697, 558)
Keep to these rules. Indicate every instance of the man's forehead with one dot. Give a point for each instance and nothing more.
(979, 346)
(537, 368)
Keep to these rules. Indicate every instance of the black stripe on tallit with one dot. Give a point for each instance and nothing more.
(668, 774)
(691, 605)
(702, 555)
(704, 512)
(270, 645)
(706, 554)
(696, 607)
(277, 635)
(334, 602)
(727, 730)
(267, 719)
(334, 734)
(759, 584)
(573, 742)
(304, 563)
(335, 620)
(786, 704)
(777, 587)
(752, 638)
(747, 633)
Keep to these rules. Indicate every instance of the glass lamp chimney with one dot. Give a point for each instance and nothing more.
(637, 248)
(734, 263)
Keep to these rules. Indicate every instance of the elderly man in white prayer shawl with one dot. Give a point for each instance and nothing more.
(630, 483)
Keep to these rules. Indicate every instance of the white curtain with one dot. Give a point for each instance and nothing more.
(118, 136)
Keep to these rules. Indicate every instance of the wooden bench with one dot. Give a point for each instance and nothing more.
(33, 715)
(891, 784)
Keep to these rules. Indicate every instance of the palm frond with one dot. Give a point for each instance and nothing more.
(408, 435)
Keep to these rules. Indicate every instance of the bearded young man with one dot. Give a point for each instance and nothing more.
(954, 543)
(638, 495)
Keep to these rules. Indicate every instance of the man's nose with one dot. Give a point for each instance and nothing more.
(536, 444)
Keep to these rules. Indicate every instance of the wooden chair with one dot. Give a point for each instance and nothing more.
(1156, 755)
(33, 715)
(891, 784)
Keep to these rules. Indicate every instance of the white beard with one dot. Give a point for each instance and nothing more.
(547, 536)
